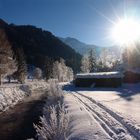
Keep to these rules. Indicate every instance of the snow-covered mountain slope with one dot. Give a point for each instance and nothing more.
(79, 46)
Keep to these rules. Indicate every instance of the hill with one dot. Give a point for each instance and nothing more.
(83, 48)
(38, 43)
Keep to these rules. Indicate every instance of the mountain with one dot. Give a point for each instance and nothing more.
(84, 48)
(38, 43)
(79, 46)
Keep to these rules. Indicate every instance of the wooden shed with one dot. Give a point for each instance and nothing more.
(99, 79)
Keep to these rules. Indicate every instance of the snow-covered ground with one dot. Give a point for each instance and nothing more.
(104, 113)
(11, 94)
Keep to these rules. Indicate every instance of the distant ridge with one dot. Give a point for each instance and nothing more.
(84, 48)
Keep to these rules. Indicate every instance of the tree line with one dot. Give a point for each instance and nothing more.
(13, 65)
(106, 61)
(109, 61)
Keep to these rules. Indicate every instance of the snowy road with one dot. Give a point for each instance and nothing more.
(106, 123)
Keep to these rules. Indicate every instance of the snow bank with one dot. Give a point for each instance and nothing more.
(100, 75)
(11, 94)
(37, 84)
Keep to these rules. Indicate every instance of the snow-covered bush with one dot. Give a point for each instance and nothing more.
(54, 128)
(54, 123)
(54, 90)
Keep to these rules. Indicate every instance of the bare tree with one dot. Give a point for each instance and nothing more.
(21, 72)
(7, 63)
(37, 74)
(48, 66)
(61, 71)
(88, 63)
(108, 61)
(92, 60)
(85, 65)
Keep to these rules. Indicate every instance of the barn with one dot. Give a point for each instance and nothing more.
(99, 79)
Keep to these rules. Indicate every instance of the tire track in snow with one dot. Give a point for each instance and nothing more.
(111, 122)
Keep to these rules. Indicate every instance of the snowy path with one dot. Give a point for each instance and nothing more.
(111, 124)
(83, 125)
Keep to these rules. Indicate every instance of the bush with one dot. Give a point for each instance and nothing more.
(56, 128)
(54, 123)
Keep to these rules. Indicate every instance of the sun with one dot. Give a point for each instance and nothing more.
(126, 31)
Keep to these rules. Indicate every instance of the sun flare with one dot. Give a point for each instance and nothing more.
(126, 31)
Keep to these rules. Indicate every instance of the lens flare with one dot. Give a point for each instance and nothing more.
(126, 31)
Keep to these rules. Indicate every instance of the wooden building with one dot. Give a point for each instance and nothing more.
(100, 79)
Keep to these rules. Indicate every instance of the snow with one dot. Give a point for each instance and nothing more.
(104, 113)
(37, 84)
(100, 75)
(11, 94)
(82, 123)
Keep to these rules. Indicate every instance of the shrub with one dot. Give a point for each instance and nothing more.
(54, 128)
(54, 123)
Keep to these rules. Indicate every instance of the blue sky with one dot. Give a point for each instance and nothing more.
(87, 20)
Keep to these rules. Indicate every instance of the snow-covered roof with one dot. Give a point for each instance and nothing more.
(100, 75)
